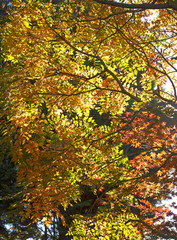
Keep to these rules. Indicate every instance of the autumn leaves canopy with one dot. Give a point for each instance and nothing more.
(62, 61)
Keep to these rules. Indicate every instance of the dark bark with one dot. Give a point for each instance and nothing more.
(142, 6)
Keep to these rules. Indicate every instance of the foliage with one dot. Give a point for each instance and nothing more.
(63, 62)
(106, 225)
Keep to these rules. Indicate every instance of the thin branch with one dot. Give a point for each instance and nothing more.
(160, 234)
(172, 83)
(105, 18)
(64, 94)
(110, 187)
(106, 69)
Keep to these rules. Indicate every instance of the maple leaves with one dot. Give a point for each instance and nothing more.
(65, 60)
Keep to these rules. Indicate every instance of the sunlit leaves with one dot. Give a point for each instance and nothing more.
(64, 60)
(106, 224)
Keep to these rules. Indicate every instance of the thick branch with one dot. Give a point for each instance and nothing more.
(143, 6)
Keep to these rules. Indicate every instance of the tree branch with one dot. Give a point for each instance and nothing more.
(152, 229)
(111, 187)
(142, 6)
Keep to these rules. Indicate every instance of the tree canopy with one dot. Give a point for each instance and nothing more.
(84, 104)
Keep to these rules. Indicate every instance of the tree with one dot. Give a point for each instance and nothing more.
(65, 59)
